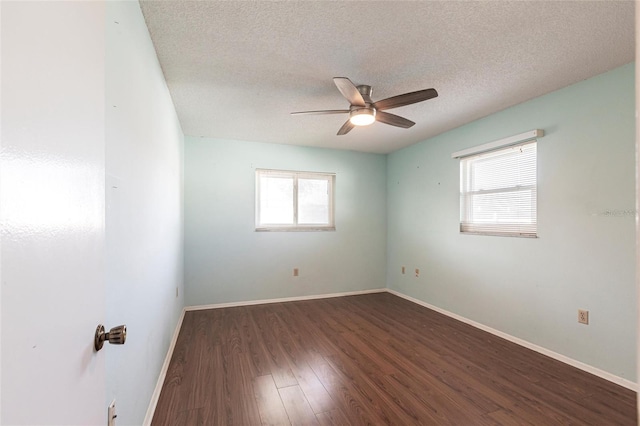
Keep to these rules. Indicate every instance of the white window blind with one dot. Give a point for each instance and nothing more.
(498, 191)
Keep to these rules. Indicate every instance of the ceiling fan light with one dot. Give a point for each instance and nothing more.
(362, 116)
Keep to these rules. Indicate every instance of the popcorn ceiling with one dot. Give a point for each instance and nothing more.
(236, 70)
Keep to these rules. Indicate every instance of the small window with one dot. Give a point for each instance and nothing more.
(498, 192)
(294, 201)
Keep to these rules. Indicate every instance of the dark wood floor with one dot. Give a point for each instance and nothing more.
(371, 359)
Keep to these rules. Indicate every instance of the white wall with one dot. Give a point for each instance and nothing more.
(52, 212)
(144, 262)
(585, 254)
(227, 261)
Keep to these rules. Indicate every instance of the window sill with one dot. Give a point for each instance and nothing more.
(296, 229)
(499, 234)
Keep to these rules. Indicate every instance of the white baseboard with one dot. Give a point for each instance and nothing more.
(284, 299)
(163, 373)
(562, 358)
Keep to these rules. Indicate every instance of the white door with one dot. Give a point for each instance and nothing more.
(52, 212)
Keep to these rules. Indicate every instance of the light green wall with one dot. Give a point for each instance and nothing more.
(584, 256)
(226, 260)
(144, 239)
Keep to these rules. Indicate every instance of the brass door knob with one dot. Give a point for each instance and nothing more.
(115, 336)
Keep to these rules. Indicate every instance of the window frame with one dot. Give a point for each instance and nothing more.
(296, 175)
(493, 229)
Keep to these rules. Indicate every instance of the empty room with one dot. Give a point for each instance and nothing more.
(318, 212)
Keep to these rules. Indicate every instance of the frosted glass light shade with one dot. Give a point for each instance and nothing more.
(362, 117)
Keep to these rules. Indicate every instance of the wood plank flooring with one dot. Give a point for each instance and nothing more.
(370, 360)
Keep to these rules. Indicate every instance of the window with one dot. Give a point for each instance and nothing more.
(498, 191)
(294, 201)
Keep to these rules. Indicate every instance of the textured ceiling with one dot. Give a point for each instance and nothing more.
(236, 69)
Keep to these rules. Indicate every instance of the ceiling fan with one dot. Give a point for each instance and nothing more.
(363, 111)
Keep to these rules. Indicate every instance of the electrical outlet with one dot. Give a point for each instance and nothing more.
(111, 414)
(583, 316)
(403, 270)
(417, 272)
(295, 272)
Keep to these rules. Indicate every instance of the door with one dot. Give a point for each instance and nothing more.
(52, 212)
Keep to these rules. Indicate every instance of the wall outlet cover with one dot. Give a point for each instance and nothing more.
(583, 316)
(111, 414)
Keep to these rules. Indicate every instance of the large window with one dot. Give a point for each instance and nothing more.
(294, 201)
(498, 191)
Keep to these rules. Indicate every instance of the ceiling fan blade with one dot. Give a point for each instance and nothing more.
(405, 99)
(349, 91)
(326, 111)
(346, 128)
(394, 120)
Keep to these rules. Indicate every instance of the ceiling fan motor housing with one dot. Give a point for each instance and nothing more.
(363, 115)
(366, 92)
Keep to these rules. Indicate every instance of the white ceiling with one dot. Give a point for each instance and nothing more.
(237, 69)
